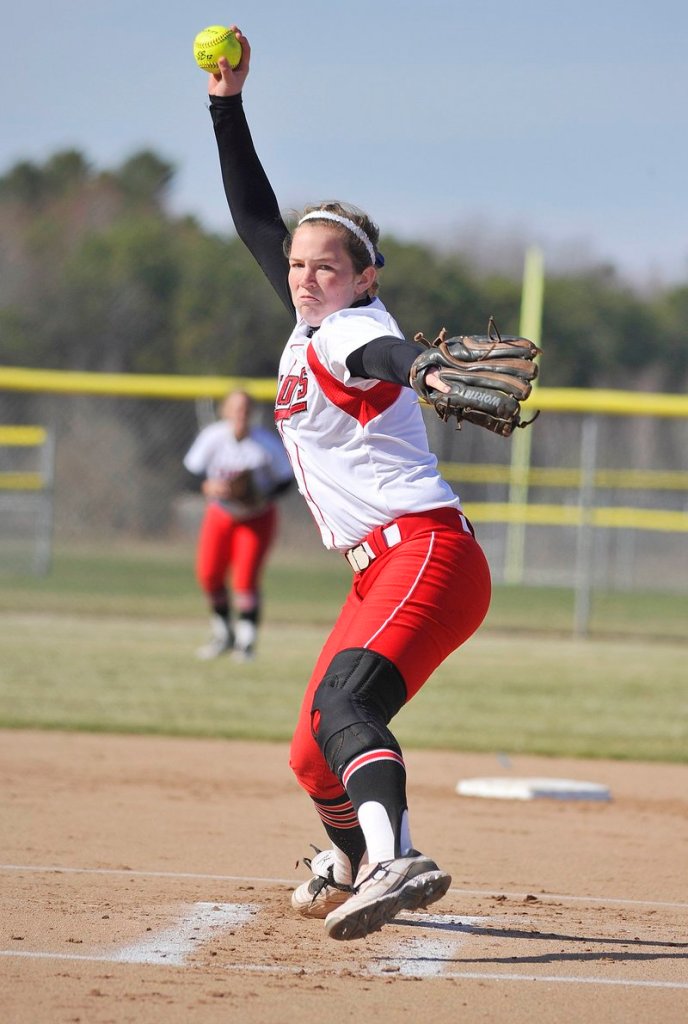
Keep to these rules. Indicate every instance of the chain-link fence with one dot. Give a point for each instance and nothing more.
(119, 474)
(27, 469)
(616, 484)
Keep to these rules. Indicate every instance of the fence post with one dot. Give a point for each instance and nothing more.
(586, 530)
(530, 327)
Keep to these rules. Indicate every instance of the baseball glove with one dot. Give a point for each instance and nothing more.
(242, 488)
(489, 376)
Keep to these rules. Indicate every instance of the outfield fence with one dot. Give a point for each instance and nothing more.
(600, 502)
(27, 472)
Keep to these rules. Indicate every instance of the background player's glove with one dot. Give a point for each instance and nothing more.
(242, 488)
(489, 376)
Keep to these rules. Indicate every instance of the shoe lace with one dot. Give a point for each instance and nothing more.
(320, 881)
(382, 866)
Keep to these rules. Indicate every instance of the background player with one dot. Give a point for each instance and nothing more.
(358, 446)
(243, 469)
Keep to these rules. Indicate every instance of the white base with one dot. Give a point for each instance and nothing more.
(532, 789)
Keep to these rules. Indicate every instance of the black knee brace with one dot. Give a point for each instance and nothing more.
(358, 695)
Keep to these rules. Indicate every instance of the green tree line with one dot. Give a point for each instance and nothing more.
(97, 274)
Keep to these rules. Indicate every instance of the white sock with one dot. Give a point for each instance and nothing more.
(405, 839)
(244, 633)
(378, 831)
(341, 868)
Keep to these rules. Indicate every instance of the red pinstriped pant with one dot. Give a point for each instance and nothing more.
(239, 544)
(415, 604)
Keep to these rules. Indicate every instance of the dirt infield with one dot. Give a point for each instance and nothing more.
(148, 879)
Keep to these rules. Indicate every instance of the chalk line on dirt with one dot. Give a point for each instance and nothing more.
(200, 923)
(419, 957)
(252, 879)
(425, 956)
(553, 979)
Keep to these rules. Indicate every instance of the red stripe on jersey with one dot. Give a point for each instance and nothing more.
(370, 758)
(362, 405)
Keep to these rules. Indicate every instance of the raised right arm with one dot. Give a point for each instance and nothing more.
(252, 202)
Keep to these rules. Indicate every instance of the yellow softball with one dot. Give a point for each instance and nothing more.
(214, 42)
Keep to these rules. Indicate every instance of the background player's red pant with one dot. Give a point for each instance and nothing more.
(239, 544)
(415, 604)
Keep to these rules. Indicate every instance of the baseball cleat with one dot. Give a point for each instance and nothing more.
(320, 895)
(243, 654)
(221, 639)
(383, 891)
(245, 633)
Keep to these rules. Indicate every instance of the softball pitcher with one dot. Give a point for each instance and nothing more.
(355, 436)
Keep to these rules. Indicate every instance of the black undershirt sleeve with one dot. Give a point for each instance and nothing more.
(252, 202)
(386, 358)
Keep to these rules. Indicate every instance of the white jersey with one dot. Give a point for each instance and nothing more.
(218, 454)
(358, 447)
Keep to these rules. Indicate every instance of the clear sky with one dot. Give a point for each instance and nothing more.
(495, 122)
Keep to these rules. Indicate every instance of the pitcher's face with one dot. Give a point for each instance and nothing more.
(322, 278)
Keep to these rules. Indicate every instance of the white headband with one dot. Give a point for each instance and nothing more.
(348, 224)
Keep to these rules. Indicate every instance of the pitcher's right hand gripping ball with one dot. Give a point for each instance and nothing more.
(214, 42)
(488, 376)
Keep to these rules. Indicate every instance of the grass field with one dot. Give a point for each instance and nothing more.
(106, 643)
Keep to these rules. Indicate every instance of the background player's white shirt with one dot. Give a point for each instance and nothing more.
(358, 448)
(220, 456)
